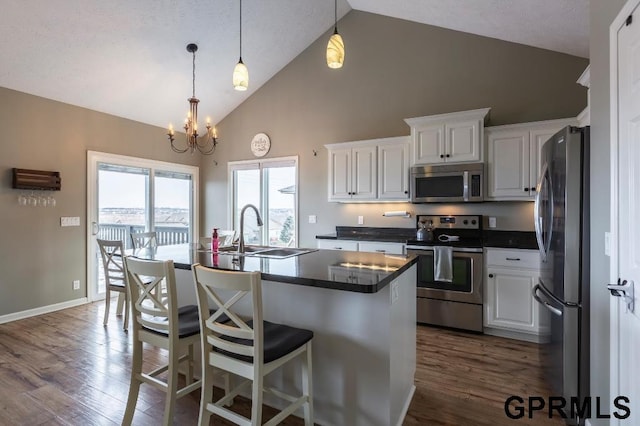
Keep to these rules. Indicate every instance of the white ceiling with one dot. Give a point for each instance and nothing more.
(128, 57)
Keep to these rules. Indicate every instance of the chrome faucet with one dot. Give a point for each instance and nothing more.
(241, 242)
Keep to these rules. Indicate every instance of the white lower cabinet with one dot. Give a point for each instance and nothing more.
(368, 246)
(379, 247)
(509, 307)
(338, 245)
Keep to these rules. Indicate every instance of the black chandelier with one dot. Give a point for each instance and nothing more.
(205, 144)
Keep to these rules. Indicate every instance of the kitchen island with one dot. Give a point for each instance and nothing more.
(362, 310)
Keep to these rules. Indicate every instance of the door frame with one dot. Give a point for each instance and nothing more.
(614, 305)
(95, 157)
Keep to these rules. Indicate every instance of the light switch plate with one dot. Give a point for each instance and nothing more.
(360, 220)
(312, 218)
(492, 222)
(69, 221)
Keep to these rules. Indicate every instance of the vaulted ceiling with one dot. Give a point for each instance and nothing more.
(128, 58)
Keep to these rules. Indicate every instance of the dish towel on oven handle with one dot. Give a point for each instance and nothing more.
(443, 263)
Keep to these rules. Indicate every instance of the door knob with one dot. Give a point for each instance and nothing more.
(624, 289)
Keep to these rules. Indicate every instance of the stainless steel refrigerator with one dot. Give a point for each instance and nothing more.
(561, 215)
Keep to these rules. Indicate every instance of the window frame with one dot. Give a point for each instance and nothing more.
(262, 165)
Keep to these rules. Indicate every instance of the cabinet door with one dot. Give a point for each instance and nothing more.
(538, 138)
(463, 141)
(393, 171)
(364, 173)
(508, 165)
(510, 304)
(337, 245)
(339, 174)
(379, 247)
(428, 144)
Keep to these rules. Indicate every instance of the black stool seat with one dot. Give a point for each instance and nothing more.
(278, 340)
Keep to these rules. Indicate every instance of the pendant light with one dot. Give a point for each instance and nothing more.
(335, 47)
(240, 72)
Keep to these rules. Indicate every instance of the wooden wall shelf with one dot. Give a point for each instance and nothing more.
(36, 180)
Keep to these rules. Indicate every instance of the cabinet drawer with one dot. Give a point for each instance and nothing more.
(527, 259)
(375, 247)
(338, 245)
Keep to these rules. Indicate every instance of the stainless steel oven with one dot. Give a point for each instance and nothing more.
(457, 301)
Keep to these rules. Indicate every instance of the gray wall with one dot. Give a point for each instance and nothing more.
(601, 16)
(394, 69)
(39, 259)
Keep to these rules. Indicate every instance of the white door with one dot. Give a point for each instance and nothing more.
(508, 164)
(625, 262)
(339, 174)
(127, 194)
(429, 144)
(462, 141)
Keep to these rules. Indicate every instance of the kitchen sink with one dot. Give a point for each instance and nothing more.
(281, 253)
(265, 251)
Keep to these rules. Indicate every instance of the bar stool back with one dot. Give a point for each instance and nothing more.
(249, 349)
(158, 321)
(111, 252)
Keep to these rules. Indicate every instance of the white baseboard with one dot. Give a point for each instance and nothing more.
(405, 408)
(42, 310)
(509, 334)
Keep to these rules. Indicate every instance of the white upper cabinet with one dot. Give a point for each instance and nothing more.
(513, 157)
(393, 169)
(371, 170)
(448, 138)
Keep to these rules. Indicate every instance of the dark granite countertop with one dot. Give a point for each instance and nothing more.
(510, 239)
(363, 233)
(332, 269)
(490, 238)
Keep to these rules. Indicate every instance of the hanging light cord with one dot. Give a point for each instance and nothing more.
(240, 30)
(335, 17)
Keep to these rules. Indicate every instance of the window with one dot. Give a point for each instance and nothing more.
(128, 194)
(271, 186)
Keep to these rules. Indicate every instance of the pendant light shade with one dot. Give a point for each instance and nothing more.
(240, 76)
(240, 72)
(335, 51)
(335, 47)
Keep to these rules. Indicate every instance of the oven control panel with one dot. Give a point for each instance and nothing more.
(451, 222)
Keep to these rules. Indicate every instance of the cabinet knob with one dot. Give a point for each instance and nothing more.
(526, 190)
(490, 275)
(533, 189)
(448, 155)
(441, 155)
(406, 192)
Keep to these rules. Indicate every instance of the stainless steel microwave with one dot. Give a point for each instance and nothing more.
(447, 183)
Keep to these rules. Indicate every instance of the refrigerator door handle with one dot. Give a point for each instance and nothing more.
(544, 303)
(537, 217)
(544, 244)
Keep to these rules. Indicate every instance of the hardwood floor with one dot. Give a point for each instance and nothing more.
(65, 368)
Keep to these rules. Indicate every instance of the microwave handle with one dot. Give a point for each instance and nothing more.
(465, 185)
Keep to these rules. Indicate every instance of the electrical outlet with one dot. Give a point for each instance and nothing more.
(76, 284)
(492, 222)
(312, 218)
(360, 220)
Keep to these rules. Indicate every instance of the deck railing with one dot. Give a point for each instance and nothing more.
(166, 235)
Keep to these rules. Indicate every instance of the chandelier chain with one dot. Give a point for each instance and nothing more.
(240, 30)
